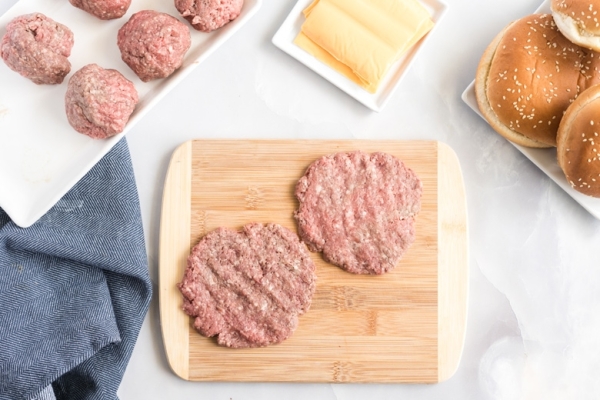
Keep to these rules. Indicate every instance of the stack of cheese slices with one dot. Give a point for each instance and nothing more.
(361, 39)
(538, 85)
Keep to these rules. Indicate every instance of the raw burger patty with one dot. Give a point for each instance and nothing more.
(99, 101)
(208, 15)
(358, 210)
(37, 47)
(248, 287)
(153, 44)
(103, 9)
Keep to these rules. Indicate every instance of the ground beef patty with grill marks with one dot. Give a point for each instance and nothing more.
(37, 47)
(248, 287)
(208, 15)
(358, 209)
(103, 9)
(99, 101)
(153, 44)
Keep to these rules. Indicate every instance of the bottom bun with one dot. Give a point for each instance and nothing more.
(578, 142)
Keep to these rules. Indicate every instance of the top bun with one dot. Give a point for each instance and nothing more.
(578, 149)
(579, 21)
(527, 78)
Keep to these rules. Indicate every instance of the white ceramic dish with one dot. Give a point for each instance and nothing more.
(42, 157)
(544, 159)
(284, 39)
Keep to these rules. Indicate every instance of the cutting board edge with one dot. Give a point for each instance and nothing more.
(174, 247)
(453, 262)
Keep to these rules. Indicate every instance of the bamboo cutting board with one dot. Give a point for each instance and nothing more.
(405, 326)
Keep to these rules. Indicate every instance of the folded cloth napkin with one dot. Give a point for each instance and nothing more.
(74, 289)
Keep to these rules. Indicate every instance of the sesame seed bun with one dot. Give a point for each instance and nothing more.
(579, 21)
(578, 143)
(527, 78)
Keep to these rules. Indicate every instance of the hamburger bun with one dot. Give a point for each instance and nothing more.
(579, 21)
(528, 76)
(578, 143)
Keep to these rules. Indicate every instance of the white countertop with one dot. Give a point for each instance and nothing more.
(533, 328)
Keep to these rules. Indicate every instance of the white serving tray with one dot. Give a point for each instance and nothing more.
(41, 156)
(284, 39)
(544, 159)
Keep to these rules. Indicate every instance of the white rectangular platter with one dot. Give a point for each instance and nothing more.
(544, 159)
(284, 39)
(42, 156)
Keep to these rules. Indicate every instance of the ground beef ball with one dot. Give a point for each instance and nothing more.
(99, 101)
(248, 287)
(208, 15)
(153, 44)
(358, 210)
(103, 9)
(37, 47)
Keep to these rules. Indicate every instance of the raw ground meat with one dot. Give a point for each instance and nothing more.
(99, 101)
(37, 47)
(358, 210)
(153, 44)
(248, 287)
(208, 15)
(103, 9)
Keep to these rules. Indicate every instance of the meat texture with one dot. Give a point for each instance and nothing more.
(37, 47)
(103, 9)
(153, 44)
(208, 15)
(99, 101)
(358, 209)
(248, 287)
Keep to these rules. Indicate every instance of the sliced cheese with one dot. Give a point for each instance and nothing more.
(362, 38)
(318, 52)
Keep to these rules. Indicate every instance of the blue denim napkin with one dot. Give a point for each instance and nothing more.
(74, 289)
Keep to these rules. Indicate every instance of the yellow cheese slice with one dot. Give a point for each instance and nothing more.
(316, 51)
(362, 38)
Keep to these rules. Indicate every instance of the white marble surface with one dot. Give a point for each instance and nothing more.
(534, 309)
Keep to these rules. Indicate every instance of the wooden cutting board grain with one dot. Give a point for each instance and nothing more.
(405, 326)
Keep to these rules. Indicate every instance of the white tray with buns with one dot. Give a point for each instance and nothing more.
(545, 159)
(284, 39)
(42, 155)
